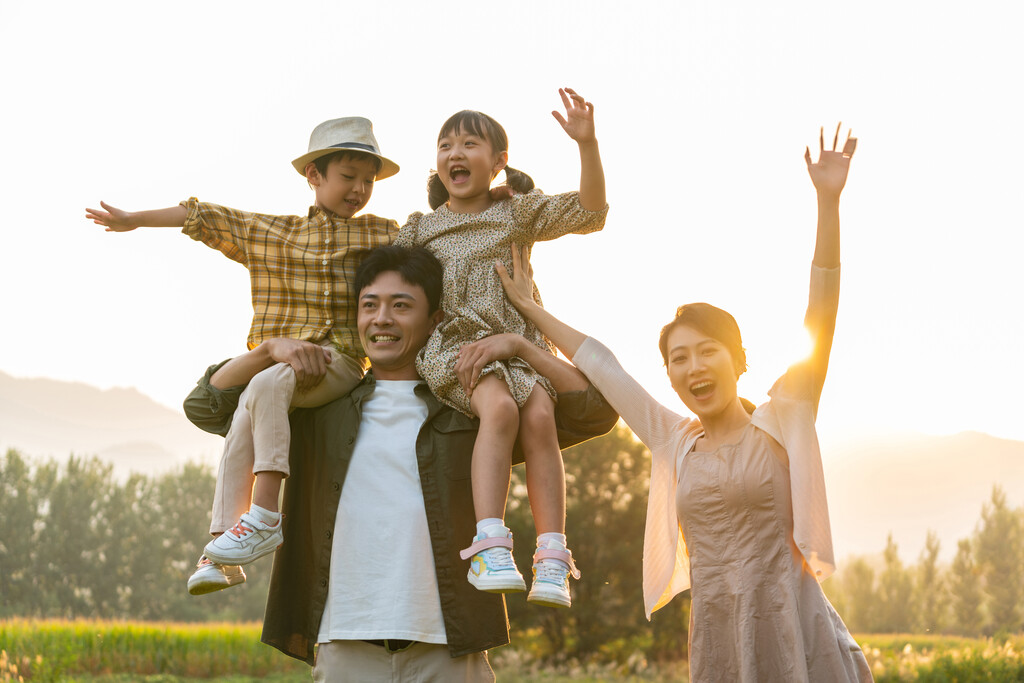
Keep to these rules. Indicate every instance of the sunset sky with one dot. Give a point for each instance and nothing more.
(703, 111)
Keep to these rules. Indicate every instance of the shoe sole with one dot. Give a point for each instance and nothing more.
(548, 599)
(206, 588)
(239, 561)
(490, 586)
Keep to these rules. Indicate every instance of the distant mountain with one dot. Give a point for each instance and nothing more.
(49, 418)
(904, 484)
(911, 484)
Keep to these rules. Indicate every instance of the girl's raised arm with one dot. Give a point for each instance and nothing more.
(578, 123)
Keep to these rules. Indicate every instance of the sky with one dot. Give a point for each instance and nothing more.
(702, 109)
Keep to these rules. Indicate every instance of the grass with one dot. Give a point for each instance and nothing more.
(44, 651)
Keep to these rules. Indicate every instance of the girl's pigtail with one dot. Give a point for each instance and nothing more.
(437, 195)
(517, 180)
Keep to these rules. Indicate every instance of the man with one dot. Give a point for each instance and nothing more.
(380, 495)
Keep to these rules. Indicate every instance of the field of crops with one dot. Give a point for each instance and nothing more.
(120, 652)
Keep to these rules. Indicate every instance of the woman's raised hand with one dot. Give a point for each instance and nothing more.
(578, 122)
(519, 285)
(829, 173)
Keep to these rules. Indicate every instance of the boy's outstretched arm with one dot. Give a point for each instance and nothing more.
(308, 360)
(578, 123)
(116, 220)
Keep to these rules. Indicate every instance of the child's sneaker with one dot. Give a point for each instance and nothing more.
(245, 542)
(492, 568)
(552, 565)
(210, 576)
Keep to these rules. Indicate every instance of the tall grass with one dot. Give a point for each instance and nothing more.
(51, 650)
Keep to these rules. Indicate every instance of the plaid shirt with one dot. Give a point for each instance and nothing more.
(301, 269)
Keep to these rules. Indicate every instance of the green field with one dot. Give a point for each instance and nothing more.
(123, 652)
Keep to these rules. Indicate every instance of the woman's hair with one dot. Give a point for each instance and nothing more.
(479, 124)
(715, 323)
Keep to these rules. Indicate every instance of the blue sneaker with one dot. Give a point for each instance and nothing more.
(491, 567)
(552, 566)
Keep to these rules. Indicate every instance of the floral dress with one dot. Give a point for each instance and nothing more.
(474, 302)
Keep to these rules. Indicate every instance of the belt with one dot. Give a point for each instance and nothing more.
(392, 645)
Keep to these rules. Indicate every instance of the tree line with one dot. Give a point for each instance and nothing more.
(980, 593)
(77, 543)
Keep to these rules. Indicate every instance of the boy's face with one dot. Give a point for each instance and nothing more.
(346, 186)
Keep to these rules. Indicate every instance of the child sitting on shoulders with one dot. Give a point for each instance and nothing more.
(301, 270)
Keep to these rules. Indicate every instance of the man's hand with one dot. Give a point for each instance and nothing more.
(474, 357)
(113, 218)
(308, 360)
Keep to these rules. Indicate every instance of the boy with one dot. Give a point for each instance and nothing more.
(301, 270)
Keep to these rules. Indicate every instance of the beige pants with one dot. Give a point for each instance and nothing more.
(353, 661)
(260, 435)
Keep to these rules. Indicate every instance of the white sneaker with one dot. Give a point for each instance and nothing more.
(210, 576)
(245, 542)
(552, 566)
(492, 568)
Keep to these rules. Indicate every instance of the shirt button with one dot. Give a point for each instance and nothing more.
(350, 440)
(337, 486)
(326, 292)
(324, 262)
(327, 240)
(328, 534)
(323, 582)
(328, 322)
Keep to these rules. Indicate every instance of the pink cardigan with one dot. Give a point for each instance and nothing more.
(788, 417)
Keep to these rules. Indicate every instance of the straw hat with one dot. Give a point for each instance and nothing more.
(350, 133)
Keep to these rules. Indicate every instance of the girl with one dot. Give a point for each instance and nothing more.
(737, 503)
(467, 231)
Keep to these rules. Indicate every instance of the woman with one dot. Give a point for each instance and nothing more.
(737, 504)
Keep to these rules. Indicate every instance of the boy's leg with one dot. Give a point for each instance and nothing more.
(233, 492)
(343, 374)
(231, 497)
(267, 400)
(271, 395)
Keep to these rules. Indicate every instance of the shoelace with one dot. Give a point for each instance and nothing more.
(240, 530)
(498, 559)
(551, 572)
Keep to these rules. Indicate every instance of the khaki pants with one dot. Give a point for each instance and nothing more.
(355, 661)
(260, 435)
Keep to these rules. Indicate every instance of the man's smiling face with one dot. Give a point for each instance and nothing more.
(394, 322)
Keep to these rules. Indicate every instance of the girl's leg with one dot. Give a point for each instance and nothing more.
(545, 473)
(492, 453)
(491, 567)
(545, 482)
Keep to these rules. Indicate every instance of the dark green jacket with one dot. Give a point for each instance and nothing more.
(322, 443)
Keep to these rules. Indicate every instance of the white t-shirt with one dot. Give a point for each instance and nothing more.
(383, 583)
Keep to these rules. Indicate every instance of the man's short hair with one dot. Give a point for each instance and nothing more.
(416, 265)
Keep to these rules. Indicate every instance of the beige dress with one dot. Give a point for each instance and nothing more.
(757, 614)
(474, 303)
(745, 527)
